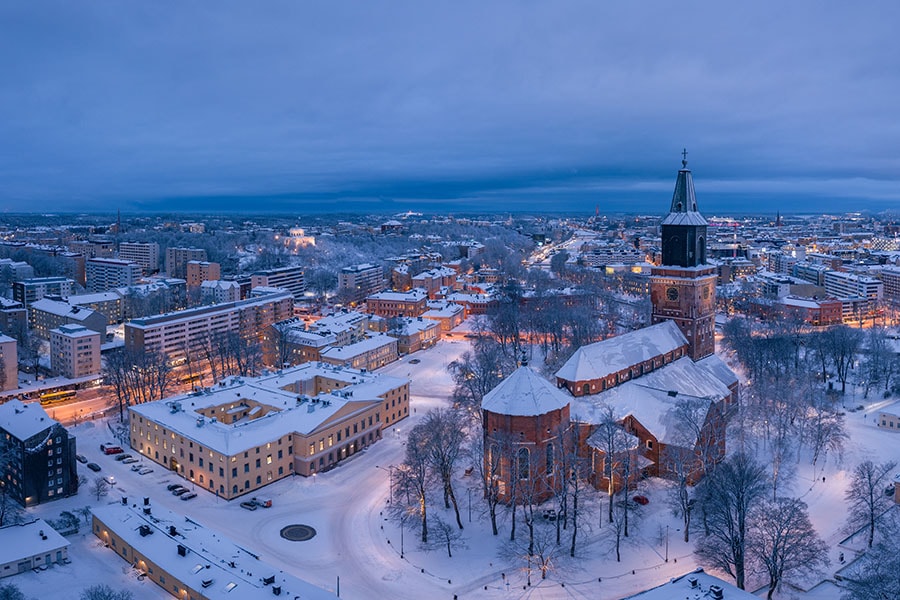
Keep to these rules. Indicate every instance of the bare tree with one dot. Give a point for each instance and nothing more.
(842, 343)
(866, 497)
(782, 540)
(444, 435)
(614, 442)
(104, 592)
(876, 576)
(444, 535)
(414, 475)
(477, 372)
(10, 591)
(823, 429)
(99, 488)
(487, 463)
(731, 492)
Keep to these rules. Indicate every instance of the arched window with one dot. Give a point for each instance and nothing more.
(522, 458)
(494, 459)
(585, 389)
(550, 458)
(701, 249)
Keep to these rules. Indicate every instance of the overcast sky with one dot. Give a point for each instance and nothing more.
(462, 106)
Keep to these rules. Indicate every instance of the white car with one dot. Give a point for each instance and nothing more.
(110, 480)
(145, 470)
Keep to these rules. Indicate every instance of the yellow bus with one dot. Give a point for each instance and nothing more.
(54, 397)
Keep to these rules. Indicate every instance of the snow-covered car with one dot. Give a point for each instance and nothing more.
(179, 491)
(248, 505)
(130, 461)
(145, 470)
(189, 496)
(81, 458)
(174, 486)
(122, 457)
(110, 480)
(137, 467)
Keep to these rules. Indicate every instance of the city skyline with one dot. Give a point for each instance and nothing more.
(448, 107)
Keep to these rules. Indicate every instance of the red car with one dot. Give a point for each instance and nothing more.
(642, 500)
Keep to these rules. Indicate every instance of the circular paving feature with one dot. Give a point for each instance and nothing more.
(298, 533)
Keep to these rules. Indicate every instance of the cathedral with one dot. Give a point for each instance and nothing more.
(668, 392)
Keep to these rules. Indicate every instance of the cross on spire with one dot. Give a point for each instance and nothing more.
(684, 154)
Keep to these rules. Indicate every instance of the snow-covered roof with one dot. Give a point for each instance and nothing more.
(604, 358)
(26, 540)
(24, 420)
(524, 393)
(62, 309)
(367, 345)
(94, 298)
(692, 586)
(652, 398)
(282, 392)
(228, 570)
(413, 295)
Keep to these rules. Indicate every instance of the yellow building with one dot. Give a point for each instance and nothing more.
(245, 433)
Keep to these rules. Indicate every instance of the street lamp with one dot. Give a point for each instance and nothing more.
(390, 471)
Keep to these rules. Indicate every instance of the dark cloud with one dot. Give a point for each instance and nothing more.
(546, 104)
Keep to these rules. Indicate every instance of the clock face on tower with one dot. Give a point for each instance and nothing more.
(672, 294)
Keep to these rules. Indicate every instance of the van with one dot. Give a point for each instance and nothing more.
(111, 449)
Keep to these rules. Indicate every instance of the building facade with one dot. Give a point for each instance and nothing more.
(359, 281)
(41, 455)
(9, 364)
(178, 258)
(413, 303)
(288, 278)
(145, 254)
(74, 351)
(198, 271)
(108, 273)
(31, 290)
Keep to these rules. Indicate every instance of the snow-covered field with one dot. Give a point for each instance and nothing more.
(357, 544)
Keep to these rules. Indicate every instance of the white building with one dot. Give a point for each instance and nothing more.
(107, 273)
(844, 285)
(146, 254)
(219, 291)
(190, 561)
(289, 278)
(27, 546)
(74, 351)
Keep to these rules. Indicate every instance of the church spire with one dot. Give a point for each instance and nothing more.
(684, 200)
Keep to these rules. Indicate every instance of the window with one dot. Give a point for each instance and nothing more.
(522, 458)
(550, 458)
(269, 459)
(650, 444)
(247, 468)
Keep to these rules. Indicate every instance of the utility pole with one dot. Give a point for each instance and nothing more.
(667, 543)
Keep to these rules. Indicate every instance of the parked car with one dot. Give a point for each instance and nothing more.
(145, 470)
(137, 467)
(122, 457)
(188, 496)
(111, 448)
(414, 361)
(93, 467)
(642, 500)
(81, 458)
(261, 503)
(248, 505)
(174, 486)
(550, 514)
(130, 461)
(180, 491)
(110, 480)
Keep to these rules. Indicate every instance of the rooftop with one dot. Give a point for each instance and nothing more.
(524, 393)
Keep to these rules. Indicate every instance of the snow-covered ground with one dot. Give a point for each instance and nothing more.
(356, 543)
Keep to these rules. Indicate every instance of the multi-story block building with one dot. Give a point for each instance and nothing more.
(360, 281)
(31, 290)
(289, 278)
(94, 247)
(74, 351)
(15, 270)
(146, 254)
(173, 334)
(398, 304)
(108, 273)
(845, 285)
(13, 317)
(890, 278)
(40, 454)
(198, 271)
(9, 364)
(219, 291)
(109, 304)
(243, 434)
(49, 314)
(415, 334)
(178, 258)
(369, 354)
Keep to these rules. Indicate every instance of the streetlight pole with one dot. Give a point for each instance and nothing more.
(390, 470)
(470, 503)
(667, 543)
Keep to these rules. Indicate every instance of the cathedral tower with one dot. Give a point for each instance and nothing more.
(683, 287)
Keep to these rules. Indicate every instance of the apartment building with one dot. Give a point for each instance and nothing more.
(145, 254)
(198, 271)
(173, 333)
(12, 270)
(74, 351)
(890, 278)
(94, 247)
(244, 433)
(31, 290)
(289, 278)
(415, 334)
(178, 258)
(9, 364)
(108, 273)
(398, 304)
(109, 304)
(369, 354)
(360, 281)
(844, 285)
(219, 291)
(47, 314)
(41, 464)
(13, 317)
